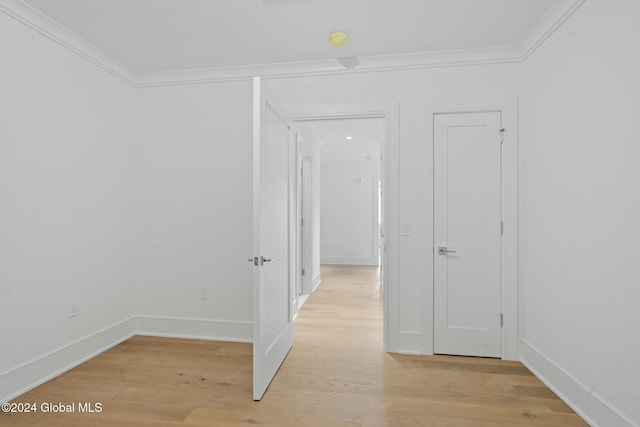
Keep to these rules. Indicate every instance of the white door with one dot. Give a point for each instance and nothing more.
(272, 314)
(467, 234)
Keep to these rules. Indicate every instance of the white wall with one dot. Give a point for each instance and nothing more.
(412, 91)
(66, 198)
(195, 208)
(348, 211)
(580, 210)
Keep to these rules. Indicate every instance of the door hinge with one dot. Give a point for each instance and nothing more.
(501, 320)
(301, 171)
(303, 271)
(502, 228)
(302, 222)
(502, 136)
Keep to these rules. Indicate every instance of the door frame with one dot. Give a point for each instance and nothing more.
(376, 250)
(303, 233)
(508, 107)
(389, 112)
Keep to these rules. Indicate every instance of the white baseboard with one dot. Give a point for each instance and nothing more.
(315, 282)
(335, 260)
(301, 300)
(31, 374)
(200, 329)
(593, 409)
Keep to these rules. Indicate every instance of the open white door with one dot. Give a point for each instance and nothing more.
(272, 314)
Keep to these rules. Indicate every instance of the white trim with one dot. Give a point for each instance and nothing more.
(299, 264)
(508, 107)
(596, 411)
(315, 282)
(306, 212)
(22, 378)
(410, 61)
(49, 28)
(199, 329)
(341, 260)
(377, 220)
(301, 300)
(59, 34)
(548, 24)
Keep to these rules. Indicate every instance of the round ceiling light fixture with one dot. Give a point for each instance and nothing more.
(338, 40)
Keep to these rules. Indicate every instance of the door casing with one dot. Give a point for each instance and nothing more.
(303, 232)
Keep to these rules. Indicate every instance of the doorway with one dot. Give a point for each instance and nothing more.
(341, 183)
(268, 118)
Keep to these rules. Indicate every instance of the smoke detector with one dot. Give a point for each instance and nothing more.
(338, 40)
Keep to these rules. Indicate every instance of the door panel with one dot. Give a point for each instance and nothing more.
(467, 215)
(273, 330)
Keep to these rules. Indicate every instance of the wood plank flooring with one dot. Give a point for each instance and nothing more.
(336, 375)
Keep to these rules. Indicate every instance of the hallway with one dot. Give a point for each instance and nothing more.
(335, 375)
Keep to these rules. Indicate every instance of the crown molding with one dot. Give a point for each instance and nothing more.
(59, 34)
(36, 20)
(548, 24)
(330, 67)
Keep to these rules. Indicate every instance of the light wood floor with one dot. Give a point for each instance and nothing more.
(335, 375)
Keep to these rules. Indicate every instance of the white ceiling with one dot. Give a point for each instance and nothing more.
(168, 35)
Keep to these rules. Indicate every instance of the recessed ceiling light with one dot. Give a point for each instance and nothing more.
(349, 138)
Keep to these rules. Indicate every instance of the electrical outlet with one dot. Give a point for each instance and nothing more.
(74, 308)
(204, 292)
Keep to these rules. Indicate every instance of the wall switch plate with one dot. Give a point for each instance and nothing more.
(407, 229)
